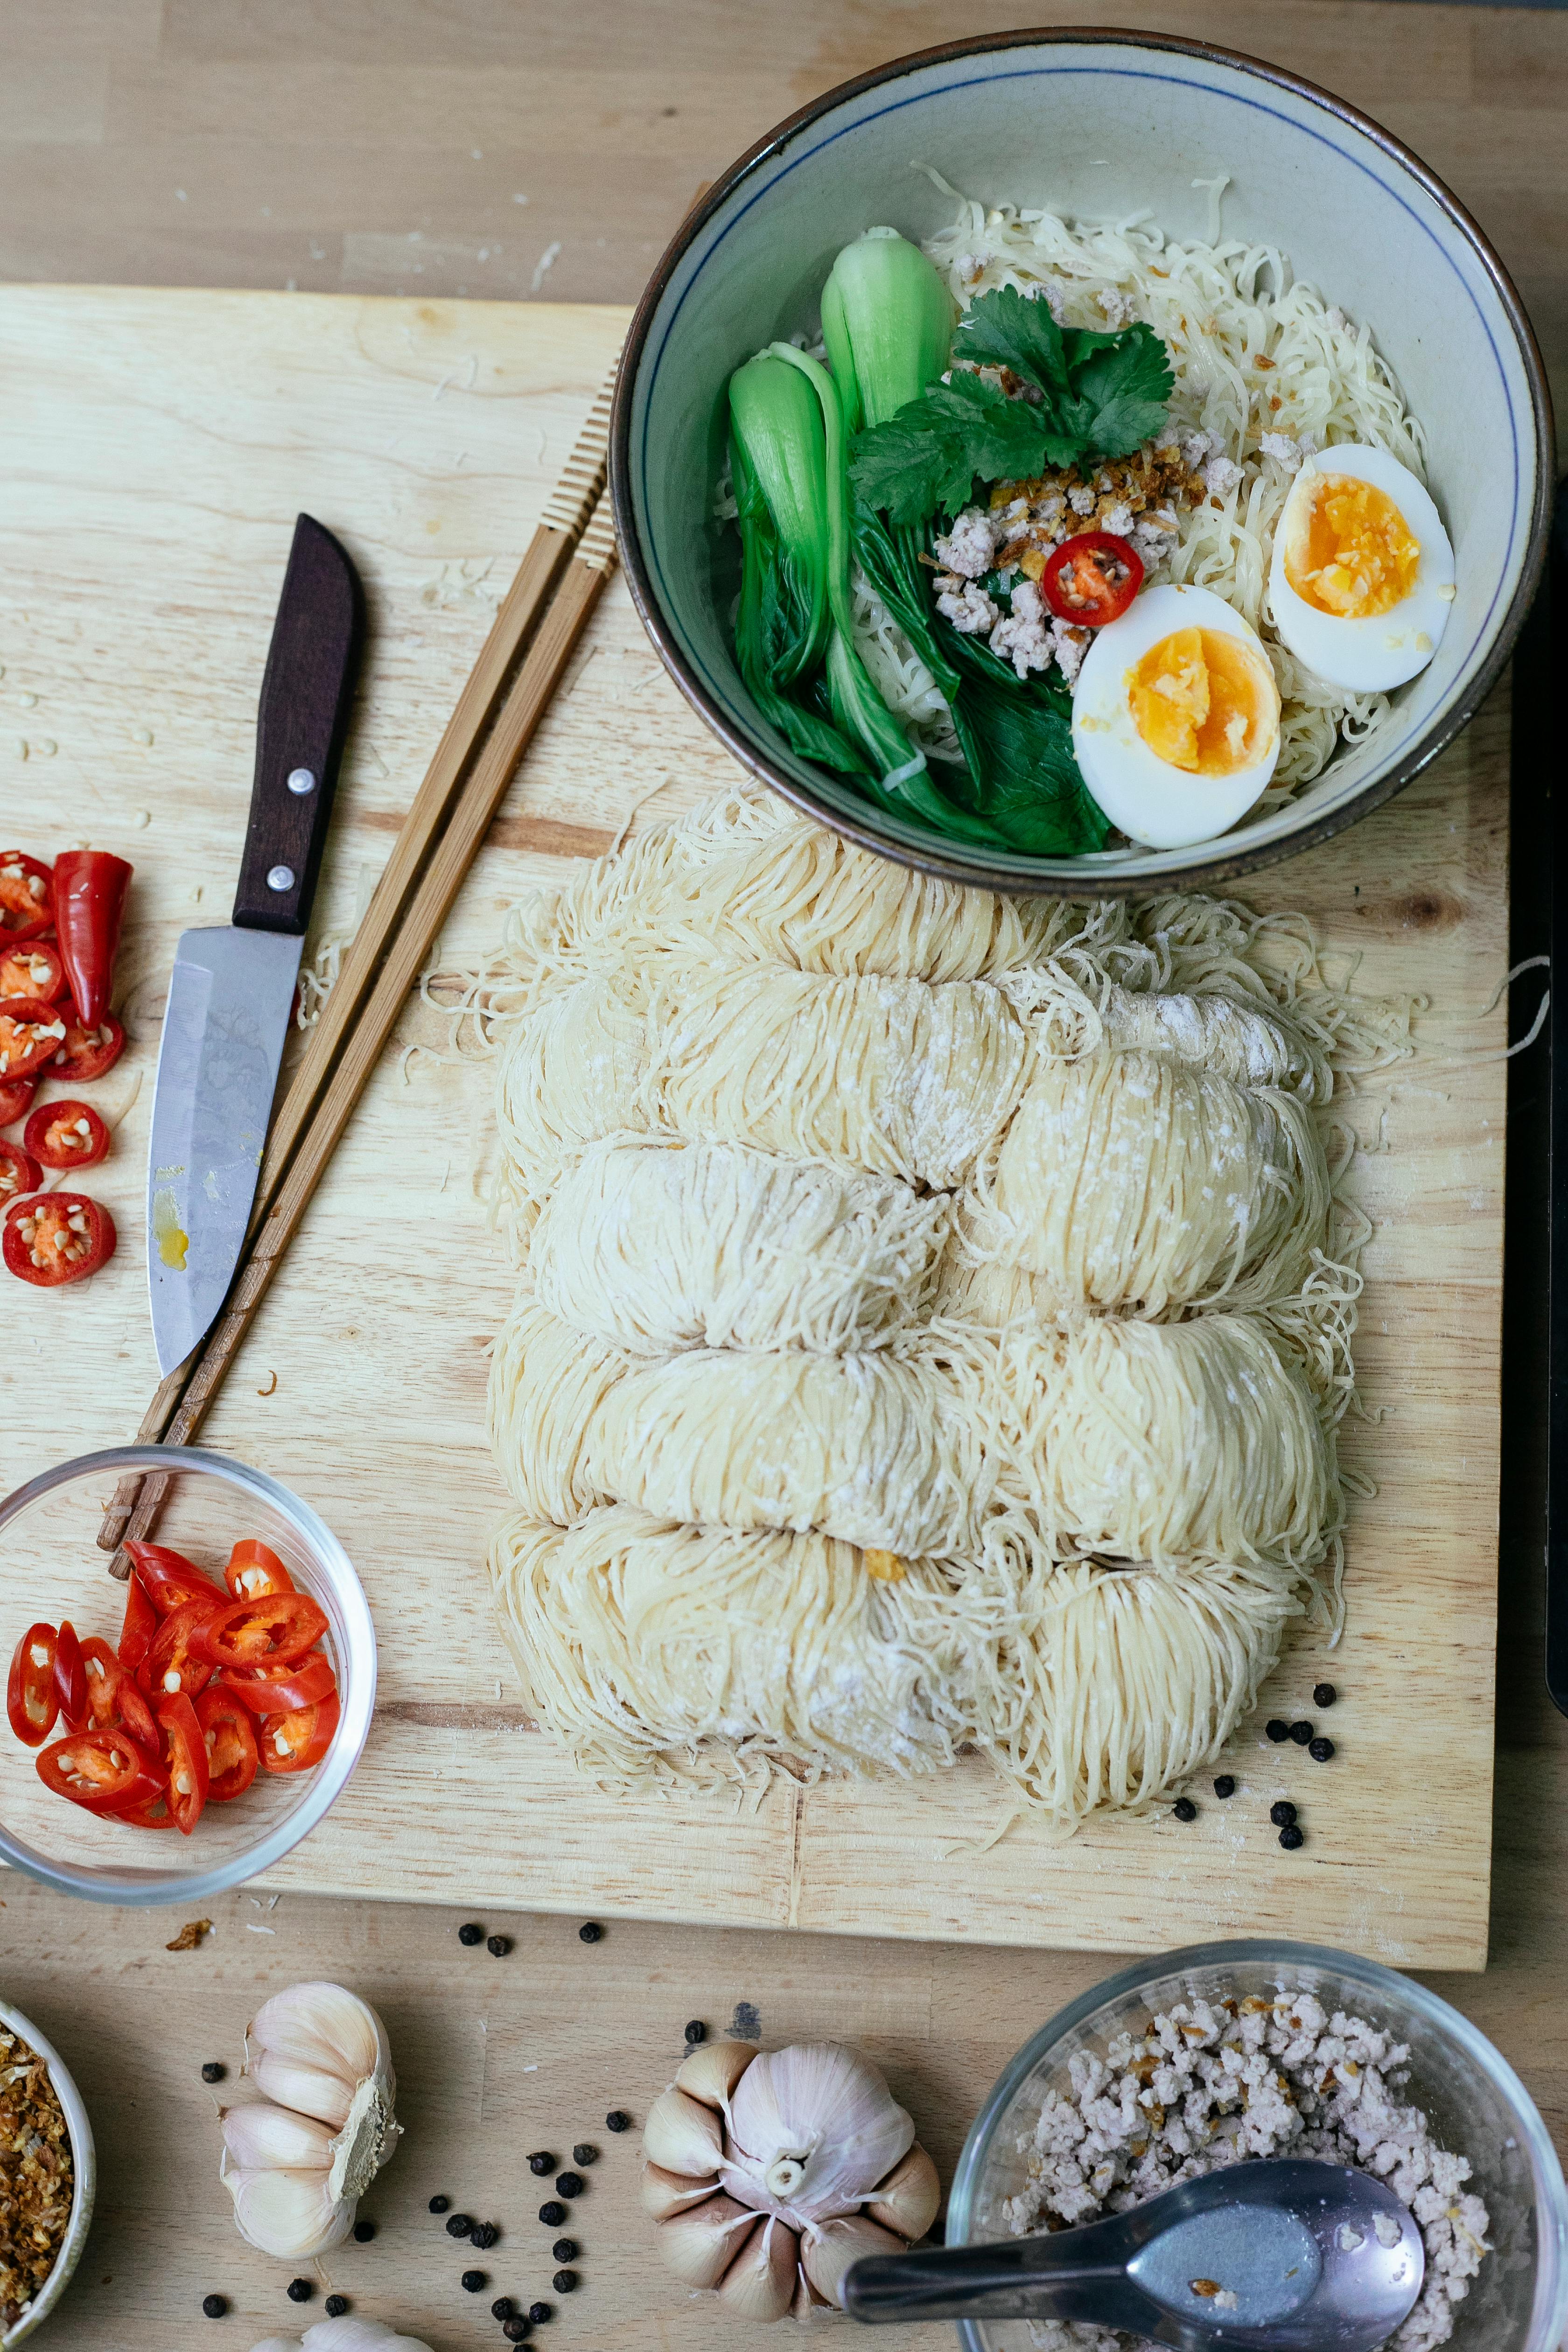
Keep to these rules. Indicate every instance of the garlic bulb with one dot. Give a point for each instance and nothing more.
(297, 2161)
(769, 2173)
(350, 2335)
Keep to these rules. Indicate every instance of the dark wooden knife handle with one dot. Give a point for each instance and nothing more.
(306, 695)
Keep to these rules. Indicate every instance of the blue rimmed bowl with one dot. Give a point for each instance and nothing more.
(1098, 125)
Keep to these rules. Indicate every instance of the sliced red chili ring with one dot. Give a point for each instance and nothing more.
(233, 1757)
(87, 1052)
(254, 1569)
(100, 1770)
(151, 1814)
(32, 1695)
(56, 1237)
(187, 1762)
(136, 1715)
(278, 1690)
(140, 1625)
(273, 1631)
(66, 1135)
(293, 1742)
(26, 908)
(19, 1172)
(31, 1035)
(16, 1099)
(105, 1678)
(1092, 579)
(169, 1580)
(34, 970)
(175, 1661)
(71, 1677)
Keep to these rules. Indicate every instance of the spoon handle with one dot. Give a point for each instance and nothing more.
(1036, 2278)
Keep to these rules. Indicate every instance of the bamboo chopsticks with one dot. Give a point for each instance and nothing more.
(558, 583)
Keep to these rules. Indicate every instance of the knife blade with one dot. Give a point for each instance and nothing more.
(233, 984)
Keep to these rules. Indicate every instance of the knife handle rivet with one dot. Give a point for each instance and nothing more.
(281, 878)
(301, 780)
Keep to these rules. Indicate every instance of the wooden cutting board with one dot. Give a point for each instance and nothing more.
(159, 445)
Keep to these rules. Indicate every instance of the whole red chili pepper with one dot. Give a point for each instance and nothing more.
(89, 892)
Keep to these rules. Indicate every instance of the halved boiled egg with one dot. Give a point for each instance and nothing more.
(1175, 717)
(1361, 582)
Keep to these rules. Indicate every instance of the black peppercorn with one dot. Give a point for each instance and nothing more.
(483, 2235)
(568, 2184)
(1282, 1815)
(584, 2153)
(617, 2120)
(1300, 1733)
(471, 1934)
(563, 2282)
(552, 2214)
(501, 2308)
(1184, 1810)
(1290, 1837)
(542, 2161)
(335, 2306)
(214, 2071)
(440, 2204)
(565, 2250)
(364, 2232)
(500, 1945)
(300, 2290)
(697, 2031)
(517, 2331)
(1276, 1730)
(1324, 1694)
(1320, 1750)
(1224, 1786)
(590, 1932)
(473, 2281)
(539, 2313)
(459, 2225)
(213, 2306)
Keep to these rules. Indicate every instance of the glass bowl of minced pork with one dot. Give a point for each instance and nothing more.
(1226, 2052)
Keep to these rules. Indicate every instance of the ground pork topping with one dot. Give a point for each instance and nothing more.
(1211, 2083)
(36, 2177)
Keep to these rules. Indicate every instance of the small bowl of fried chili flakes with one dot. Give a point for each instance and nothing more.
(48, 2173)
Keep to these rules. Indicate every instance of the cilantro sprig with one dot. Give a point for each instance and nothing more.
(1101, 395)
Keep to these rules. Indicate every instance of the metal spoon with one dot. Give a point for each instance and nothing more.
(1296, 2243)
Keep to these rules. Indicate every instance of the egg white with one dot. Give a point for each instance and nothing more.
(1152, 802)
(1371, 655)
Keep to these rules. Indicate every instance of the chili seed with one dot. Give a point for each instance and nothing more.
(584, 2153)
(213, 2071)
(335, 2306)
(440, 2204)
(473, 2281)
(1224, 1786)
(565, 2250)
(697, 2031)
(517, 2331)
(568, 2184)
(1324, 1694)
(1290, 1837)
(1320, 1750)
(1300, 1733)
(364, 2232)
(590, 1932)
(1184, 1810)
(1283, 1814)
(542, 2161)
(300, 2290)
(483, 2235)
(552, 2214)
(459, 2225)
(617, 2120)
(472, 1933)
(500, 1945)
(563, 2282)
(539, 2313)
(1276, 1730)
(213, 2306)
(501, 2308)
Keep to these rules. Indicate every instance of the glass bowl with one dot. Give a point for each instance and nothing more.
(84, 2179)
(1476, 2102)
(53, 1568)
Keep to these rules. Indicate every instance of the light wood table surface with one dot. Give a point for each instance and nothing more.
(383, 145)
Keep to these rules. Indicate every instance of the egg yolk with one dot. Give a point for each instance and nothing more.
(1353, 553)
(1204, 702)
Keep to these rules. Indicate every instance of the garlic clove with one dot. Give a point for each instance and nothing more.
(322, 2025)
(262, 2138)
(807, 2302)
(828, 2251)
(681, 2134)
(309, 2090)
(813, 2129)
(700, 2245)
(664, 2193)
(908, 2199)
(713, 2069)
(356, 2334)
(760, 2282)
(288, 2214)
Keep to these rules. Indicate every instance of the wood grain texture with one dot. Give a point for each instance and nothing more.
(378, 1321)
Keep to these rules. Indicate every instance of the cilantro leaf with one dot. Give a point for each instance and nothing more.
(928, 453)
(1125, 388)
(903, 466)
(999, 439)
(1006, 328)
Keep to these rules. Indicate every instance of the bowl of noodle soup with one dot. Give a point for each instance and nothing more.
(1312, 281)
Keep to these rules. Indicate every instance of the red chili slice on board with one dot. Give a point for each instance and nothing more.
(254, 1571)
(88, 891)
(278, 1690)
(187, 1762)
(87, 1052)
(32, 1695)
(33, 970)
(140, 1625)
(16, 1099)
(272, 1632)
(101, 1771)
(19, 1172)
(66, 1135)
(70, 1678)
(31, 1034)
(1092, 579)
(233, 1757)
(175, 1661)
(292, 1743)
(24, 904)
(56, 1237)
(169, 1580)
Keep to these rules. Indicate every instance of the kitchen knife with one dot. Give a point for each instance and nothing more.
(232, 986)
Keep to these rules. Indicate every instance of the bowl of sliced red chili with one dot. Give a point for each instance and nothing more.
(219, 1696)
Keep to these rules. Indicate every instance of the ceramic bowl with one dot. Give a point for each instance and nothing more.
(1473, 2101)
(1097, 125)
(84, 2169)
